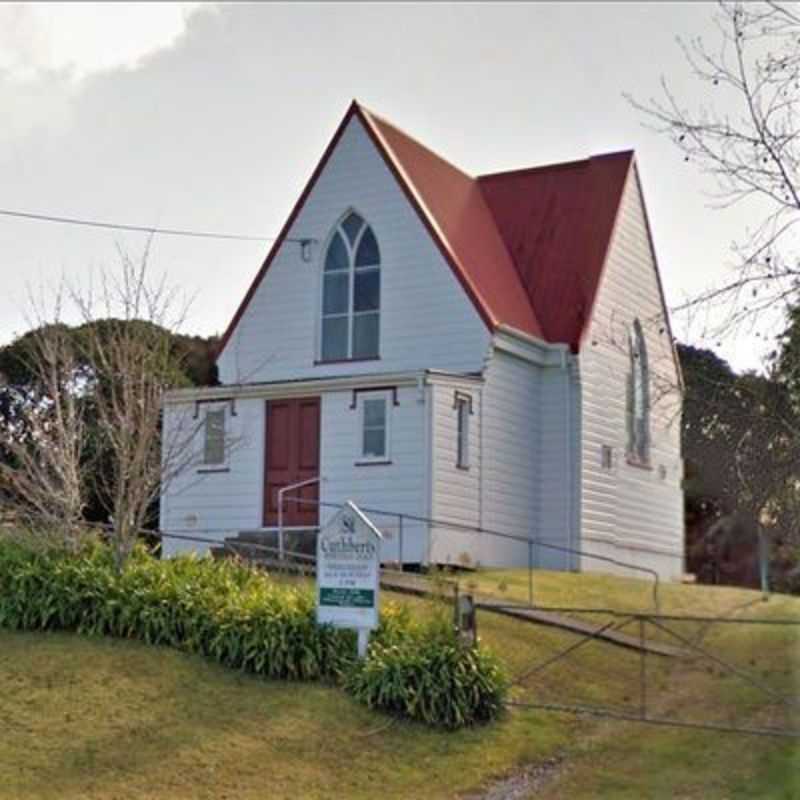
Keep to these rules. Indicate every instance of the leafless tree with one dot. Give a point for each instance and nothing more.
(92, 420)
(747, 138)
(128, 339)
(44, 437)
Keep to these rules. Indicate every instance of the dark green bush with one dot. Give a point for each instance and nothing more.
(428, 675)
(244, 619)
(223, 610)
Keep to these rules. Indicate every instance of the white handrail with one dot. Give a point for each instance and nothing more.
(318, 479)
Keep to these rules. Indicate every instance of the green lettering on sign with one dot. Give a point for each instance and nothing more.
(353, 598)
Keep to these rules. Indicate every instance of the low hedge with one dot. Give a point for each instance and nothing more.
(222, 610)
(242, 618)
(431, 677)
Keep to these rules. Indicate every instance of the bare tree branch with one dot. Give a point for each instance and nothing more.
(45, 434)
(746, 139)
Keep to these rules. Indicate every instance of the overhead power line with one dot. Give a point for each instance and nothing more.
(93, 223)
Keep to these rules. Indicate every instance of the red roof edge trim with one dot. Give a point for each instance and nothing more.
(565, 165)
(373, 117)
(426, 217)
(276, 245)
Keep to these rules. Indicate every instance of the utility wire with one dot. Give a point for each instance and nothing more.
(139, 228)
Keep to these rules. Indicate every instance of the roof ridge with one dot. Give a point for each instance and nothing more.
(449, 229)
(558, 165)
(371, 114)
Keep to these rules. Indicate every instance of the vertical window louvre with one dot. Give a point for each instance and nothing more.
(638, 400)
(351, 293)
(463, 411)
(375, 429)
(214, 450)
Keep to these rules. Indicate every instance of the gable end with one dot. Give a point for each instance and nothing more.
(356, 111)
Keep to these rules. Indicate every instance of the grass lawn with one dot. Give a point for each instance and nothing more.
(97, 719)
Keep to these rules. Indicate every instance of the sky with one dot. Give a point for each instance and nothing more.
(212, 117)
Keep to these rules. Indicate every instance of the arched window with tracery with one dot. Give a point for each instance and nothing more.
(351, 293)
(638, 404)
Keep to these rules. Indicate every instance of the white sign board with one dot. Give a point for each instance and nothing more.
(348, 570)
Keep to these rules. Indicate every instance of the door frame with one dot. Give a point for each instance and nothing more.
(265, 457)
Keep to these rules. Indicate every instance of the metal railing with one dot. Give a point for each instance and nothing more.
(529, 542)
(644, 703)
(282, 497)
(643, 706)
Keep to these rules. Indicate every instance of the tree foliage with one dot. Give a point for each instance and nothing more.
(80, 409)
(740, 435)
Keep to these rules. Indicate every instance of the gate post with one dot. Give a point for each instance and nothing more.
(530, 573)
(642, 673)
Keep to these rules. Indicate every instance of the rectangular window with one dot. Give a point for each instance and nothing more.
(374, 428)
(214, 446)
(606, 457)
(463, 409)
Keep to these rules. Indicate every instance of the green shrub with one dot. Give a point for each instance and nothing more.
(223, 610)
(430, 676)
(244, 619)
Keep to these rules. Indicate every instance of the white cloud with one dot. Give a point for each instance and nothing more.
(80, 39)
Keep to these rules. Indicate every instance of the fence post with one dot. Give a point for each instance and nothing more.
(280, 525)
(642, 673)
(530, 572)
(400, 540)
(763, 562)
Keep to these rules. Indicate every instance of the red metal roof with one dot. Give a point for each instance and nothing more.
(528, 246)
(455, 205)
(557, 222)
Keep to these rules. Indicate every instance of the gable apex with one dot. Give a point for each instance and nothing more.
(428, 180)
(281, 238)
(637, 181)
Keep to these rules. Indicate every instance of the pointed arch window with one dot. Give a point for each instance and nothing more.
(638, 397)
(351, 293)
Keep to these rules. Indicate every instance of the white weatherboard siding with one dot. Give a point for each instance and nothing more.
(511, 442)
(512, 435)
(220, 503)
(541, 415)
(456, 495)
(400, 486)
(427, 321)
(628, 512)
(559, 462)
(530, 459)
(216, 504)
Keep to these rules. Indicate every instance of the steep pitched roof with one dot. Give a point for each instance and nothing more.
(557, 222)
(454, 205)
(527, 246)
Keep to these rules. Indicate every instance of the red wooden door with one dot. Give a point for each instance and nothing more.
(292, 456)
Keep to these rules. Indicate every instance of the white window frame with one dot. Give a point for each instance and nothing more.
(463, 406)
(363, 397)
(351, 272)
(224, 464)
